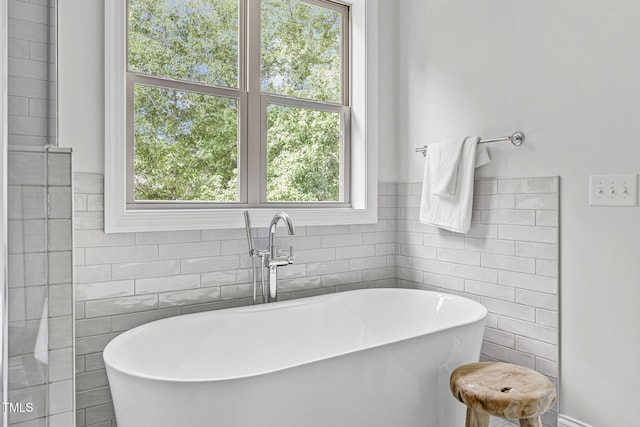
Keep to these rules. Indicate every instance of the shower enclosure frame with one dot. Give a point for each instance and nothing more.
(3, 208)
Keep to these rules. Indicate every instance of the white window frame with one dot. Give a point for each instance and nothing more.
(363, 156)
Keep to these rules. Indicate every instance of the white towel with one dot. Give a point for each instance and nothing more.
(445, 159)
(451, 207)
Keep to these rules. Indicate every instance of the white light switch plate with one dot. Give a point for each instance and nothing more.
(613, 190)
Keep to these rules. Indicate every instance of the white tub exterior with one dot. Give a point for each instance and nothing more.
(367, 358)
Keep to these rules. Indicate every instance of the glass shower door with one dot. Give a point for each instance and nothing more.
(27, 310)
(36, 223)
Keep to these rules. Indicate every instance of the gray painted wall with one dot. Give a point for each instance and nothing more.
(563, 73)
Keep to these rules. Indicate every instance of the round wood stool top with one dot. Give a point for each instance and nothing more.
(503, 390)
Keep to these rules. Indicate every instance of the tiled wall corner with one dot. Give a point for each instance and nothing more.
(508, 262)
(125, 280)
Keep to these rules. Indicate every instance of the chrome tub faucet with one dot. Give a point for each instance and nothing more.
(271, 258)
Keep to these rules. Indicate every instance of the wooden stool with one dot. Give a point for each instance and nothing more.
(502, 390)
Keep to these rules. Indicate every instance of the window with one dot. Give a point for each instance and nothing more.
(219, 105)
(185, 93)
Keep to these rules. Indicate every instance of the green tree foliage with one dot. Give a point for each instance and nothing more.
(301, 58)
(304, 164)
(193, 40)
(185, 146)
(186, 143)
(301, 46)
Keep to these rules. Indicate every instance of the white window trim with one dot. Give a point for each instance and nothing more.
(364, 141)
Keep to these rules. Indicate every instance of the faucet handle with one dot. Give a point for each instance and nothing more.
(247, 226)
(290, 257)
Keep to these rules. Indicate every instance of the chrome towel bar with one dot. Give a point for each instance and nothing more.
(516, 139)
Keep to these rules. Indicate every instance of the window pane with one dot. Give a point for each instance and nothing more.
(303, 155)
(186, 145)
(193, 40)
(301, 50)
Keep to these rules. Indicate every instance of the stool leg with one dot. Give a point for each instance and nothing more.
(531, 422)
(476, 419)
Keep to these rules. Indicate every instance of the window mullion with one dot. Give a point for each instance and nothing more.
(255, 154)
(304, 103)
(129, 139)
(243, 155)
(346, 58)
(161, 82)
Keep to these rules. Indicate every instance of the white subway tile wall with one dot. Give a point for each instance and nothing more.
(508, 262)
(124, 280)
(31, 69)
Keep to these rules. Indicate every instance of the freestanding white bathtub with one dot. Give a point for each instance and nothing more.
(367, 358)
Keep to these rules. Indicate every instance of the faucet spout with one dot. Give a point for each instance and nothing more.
(272, 231)
(269, 258)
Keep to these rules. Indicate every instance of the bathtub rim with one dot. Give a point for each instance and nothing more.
(281, 305)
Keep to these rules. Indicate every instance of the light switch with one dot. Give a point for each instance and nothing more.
(613, 190)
